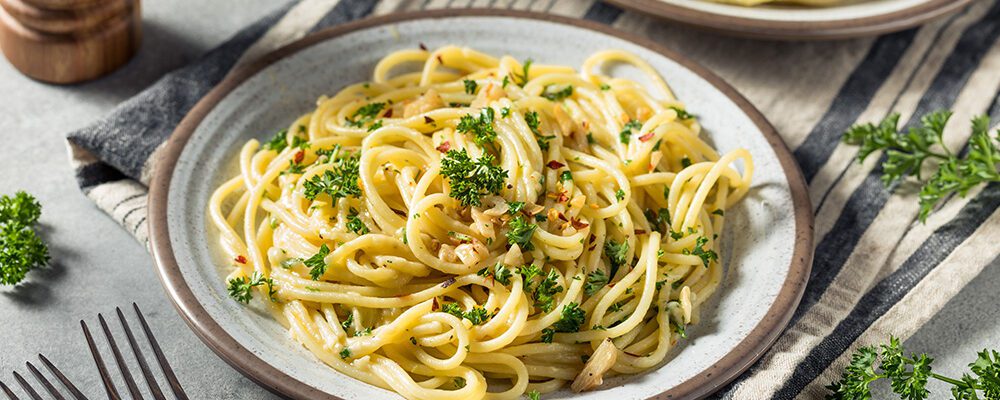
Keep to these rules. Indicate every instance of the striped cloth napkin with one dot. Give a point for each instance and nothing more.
(877, 271)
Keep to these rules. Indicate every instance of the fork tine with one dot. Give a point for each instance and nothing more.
(101, 368)
(62, 378)
(10, 394)
(122, 367)
(27, 388)
(175, 385)
(146, 373)
(45, 381)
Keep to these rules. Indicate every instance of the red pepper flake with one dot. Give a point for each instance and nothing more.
(591, 248)
(444, 147)
(449, 282)
(299, 156)
(555, 164)
(591, 239)
(563, 197)
(440, 61)
(423, 47)
(646, 137)
(578, 224)
(388, 114)
(428, 120)
(240, 259)
(434, 305)
(640, 231)
(563, 217)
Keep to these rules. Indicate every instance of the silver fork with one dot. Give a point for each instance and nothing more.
(133, 389)
(49, 387)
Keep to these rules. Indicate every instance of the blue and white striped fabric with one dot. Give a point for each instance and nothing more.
(877, 271)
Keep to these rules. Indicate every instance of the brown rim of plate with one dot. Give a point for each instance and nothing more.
(210, 332)
(796, 30)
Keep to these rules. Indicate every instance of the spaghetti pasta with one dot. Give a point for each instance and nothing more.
(481, 227)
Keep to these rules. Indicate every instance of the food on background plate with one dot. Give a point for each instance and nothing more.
(483, 225)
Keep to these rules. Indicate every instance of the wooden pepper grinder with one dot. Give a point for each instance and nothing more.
(69, 41)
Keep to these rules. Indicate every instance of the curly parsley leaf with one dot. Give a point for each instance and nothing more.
(480, 127)
(626, 134)
(339, 181)
(470, 179)
(572, 318)
(616, 254)
(470, 86)
(365, 114)
(596, 280)
(21, 250)
(557, 94)
(908, 376)
(906, 153)
(520, 231)
(241, 289)
(317, 263)
(699, 250)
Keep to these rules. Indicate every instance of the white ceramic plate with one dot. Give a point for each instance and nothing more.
(767, 246)
(788, 21)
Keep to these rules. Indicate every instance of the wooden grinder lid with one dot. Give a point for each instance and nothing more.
(68, 41)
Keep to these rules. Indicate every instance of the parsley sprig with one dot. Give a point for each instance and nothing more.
(339, 181)
(908, 376)
(241, 289)
(906, 153)
(480, 127)
(520, 232)
(365, 114)
(21, 250)
(470, 179)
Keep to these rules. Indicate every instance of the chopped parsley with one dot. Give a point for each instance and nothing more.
(471, 179)
(531, 118)
(546, 290)
(685, 162)
(339, 181)
(616, 254)
(477, 315)
(241, 289)
(534, 395)
(605, 86)
(505, 112)
(317, 263)
(706, 256)
(719, 212)
(523, 77)
(596, 280)
(500, 273)
(364, 115)
(620, 194)
(480, 127)
(470, 86)
(681, 113)
(520, 232)
(572, 318)
(459, 382)
(278, 142)
(565, 176)
(514, 207)
(345, 353)
(355, 224)
(626, 134)
(557, 95)
(346, 324)
(506, 81)
(376, 125)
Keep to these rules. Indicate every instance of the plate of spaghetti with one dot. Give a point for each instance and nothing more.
(437, 206)
(798, 19)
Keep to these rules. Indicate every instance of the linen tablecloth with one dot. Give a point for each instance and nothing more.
(877, 270)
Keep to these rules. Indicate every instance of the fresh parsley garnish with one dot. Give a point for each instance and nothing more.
(317, 263)
(596, 280)
(626, 134)
(470, 179)
(616, 254)
(470, 86)
(21, 250)
(514, 207)
(908, 376)
(355, 224)
(346, 324)
(565, 176)
(681, 113)
(523, 77)
(241, 289)
(519, 232)
(480, 127)
(906, 153)
(365, 114)
(605, 86)
(546, 290)
(339, 181)
(505, 112)
(706, 256)
(572, 318)
(477, 315)
(531, 118)
(557, 95)
(278, 142)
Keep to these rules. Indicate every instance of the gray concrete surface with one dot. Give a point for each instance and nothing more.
(97, 266)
